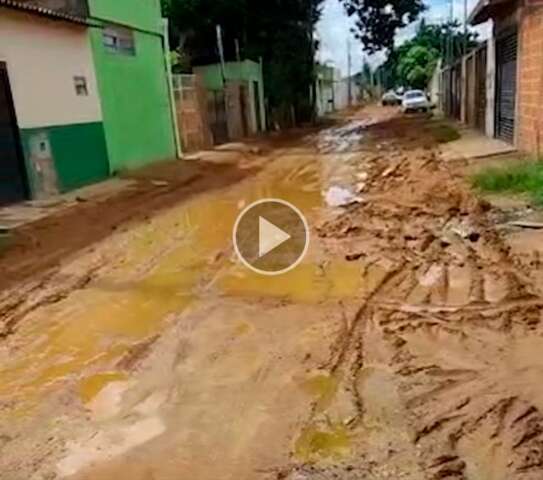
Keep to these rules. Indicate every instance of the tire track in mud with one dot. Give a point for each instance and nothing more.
(456, 323)
(18, 306)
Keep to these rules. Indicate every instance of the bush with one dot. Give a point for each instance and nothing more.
(524, 177)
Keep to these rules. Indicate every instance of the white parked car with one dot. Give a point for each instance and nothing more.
(415, 101)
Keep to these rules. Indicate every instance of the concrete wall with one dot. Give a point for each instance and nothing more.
(491, 87)
(341, 92)
(134, 89)
(435, 87)
(325, 97)
(61, 132)
(324, 90)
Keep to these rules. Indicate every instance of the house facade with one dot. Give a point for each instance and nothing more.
(529, 20)
(84, 93)
(347, 91)
(505, 75)
(128, 45)
(325, 90)
(247, 74)
(52, 136)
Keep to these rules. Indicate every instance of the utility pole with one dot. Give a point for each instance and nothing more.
(451, 33)
(311, 35)
(220, 47)
(465, 27)
(349, 73)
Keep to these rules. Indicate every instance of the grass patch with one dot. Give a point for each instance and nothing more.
(444, 133)
(518, 178)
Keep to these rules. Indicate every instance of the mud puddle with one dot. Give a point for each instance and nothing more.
(101, 360)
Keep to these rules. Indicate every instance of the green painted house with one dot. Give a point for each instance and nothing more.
(129, 46)
(84, 93)
(247, 72)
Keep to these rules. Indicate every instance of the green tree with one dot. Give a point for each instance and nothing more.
(447, 39)
(417, 66)
(378, 21)
(278, 31)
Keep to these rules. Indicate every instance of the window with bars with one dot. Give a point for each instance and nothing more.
(81, 88)
(119, 40)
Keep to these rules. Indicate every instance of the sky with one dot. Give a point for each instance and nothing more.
(334, 27)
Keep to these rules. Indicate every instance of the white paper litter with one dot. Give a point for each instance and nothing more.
(339, 197)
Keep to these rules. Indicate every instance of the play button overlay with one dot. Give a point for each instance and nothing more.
(271, 236)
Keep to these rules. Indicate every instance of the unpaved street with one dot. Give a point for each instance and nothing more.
(407, 345)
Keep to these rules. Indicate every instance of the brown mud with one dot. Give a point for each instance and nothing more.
(439, 372)
(42, 246)
(407, 345)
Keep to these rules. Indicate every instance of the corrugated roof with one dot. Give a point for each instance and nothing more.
(43, 12)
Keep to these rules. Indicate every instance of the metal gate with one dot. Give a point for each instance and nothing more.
(480, 84)
(471, 91)
(475, 97)
(506, 81)
(452, 91)
(13, 186)
(456, 91)
(216, 107)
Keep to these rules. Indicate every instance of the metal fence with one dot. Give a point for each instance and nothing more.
(463, 88)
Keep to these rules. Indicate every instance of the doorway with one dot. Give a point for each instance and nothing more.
(258, 111)
(13, 181)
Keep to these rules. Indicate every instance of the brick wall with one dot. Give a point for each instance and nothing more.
(530, 89)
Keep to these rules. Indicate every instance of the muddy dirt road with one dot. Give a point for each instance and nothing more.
(407, 345)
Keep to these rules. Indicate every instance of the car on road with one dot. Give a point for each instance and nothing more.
(415, 101)
(391, 98)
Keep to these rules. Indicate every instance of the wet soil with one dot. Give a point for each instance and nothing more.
(439, 372)
(43, 245)
(405, 346)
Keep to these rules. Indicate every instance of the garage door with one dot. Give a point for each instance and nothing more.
(506, 67)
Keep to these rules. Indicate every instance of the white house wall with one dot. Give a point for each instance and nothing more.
(341, 89)
(43, 57)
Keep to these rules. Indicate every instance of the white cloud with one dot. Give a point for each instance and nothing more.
(334, 30)
(334, 34)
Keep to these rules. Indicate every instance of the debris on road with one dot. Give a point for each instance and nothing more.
(341, 197)
(338, 197)
(160, 183)
(526, 224)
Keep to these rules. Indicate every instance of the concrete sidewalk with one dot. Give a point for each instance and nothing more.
(17, 215)
(473, 144)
